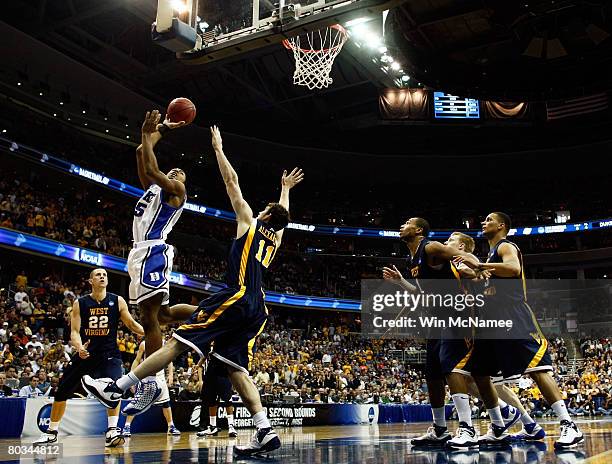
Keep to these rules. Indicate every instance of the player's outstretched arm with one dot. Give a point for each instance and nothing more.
(449, 252)
(148, 170)
(244, 213)
(128, 320)
(511, 265)
(139, 355)
(288, 181)
(75, 331)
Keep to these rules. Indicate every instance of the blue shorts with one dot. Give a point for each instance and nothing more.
(456, 355)
(98, 365)
(507, 360)
(232, 319)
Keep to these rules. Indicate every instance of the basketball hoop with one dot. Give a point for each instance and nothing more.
(314, 54)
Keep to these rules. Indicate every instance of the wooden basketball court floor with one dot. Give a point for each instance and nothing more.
(367, 444)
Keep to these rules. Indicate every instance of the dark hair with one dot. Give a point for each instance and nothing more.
(504, 219)
(279, 216)
(422, 224)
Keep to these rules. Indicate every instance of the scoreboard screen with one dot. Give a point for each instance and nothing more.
(448, 106)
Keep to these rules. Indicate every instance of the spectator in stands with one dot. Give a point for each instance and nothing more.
(43, 381)
(20, 295)
(34, 342)
(31, 389)
(5, 390)
(5, 332)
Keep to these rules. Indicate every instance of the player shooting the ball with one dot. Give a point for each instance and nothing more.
(150, 260)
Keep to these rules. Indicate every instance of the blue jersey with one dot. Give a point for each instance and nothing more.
(514, 289)
(99, 321)
(511, 295)
(249, 257)
(420, 269)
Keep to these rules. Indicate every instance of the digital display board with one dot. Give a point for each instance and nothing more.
(448, 106)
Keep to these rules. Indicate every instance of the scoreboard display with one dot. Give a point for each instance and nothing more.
(448, 106)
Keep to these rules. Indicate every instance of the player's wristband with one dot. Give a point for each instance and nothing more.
(163, 129)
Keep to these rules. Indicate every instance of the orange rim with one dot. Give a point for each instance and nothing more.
(289, 46)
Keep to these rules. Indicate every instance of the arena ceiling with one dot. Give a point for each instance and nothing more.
(495, 48)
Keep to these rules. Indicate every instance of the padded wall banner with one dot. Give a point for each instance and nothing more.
(83, 417)
(505, 110)
(404, 104)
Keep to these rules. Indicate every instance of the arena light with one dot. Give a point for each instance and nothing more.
(405, 78)
(61, 103)
(54, 114)
(178, 6)
(357, 21)
(360, 31)
(18, 83)
(382, 50)
(395, 65)
(40, 93)
(373, 40)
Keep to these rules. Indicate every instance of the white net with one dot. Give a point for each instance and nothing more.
(314, 54)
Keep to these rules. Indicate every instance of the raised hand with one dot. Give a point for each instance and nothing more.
(150, 123)
(171, 125)
(292, 179)
(392, 274)
(217, 141)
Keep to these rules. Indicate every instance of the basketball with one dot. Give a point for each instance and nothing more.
(181, 109)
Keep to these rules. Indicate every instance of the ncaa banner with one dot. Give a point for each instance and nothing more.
(187, 415)
(82, 417)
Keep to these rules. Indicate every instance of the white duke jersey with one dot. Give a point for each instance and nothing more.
(154, 218)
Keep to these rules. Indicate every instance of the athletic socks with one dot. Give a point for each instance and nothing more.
(53, 426)
(213, 421)
(261, 421)
(439, 416)
(126, 381)
(462, 404)
(230, 420)
(496, 416)
(112, 421)
(561, 411)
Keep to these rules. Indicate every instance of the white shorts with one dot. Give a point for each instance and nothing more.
(160, 378)
(149, 268)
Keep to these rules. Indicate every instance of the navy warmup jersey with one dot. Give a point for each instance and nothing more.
(511, 295)
(249, 257)
(99, 321)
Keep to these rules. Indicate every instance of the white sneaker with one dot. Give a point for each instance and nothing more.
(570, 435)
(103, 390)
(47, 438)
(436, 435)
(114, 437)
(231, 431)
(496, 435)
(263, 441)
(465, 437)
(209, 431)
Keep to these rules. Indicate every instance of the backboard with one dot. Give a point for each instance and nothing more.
(226, 28)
